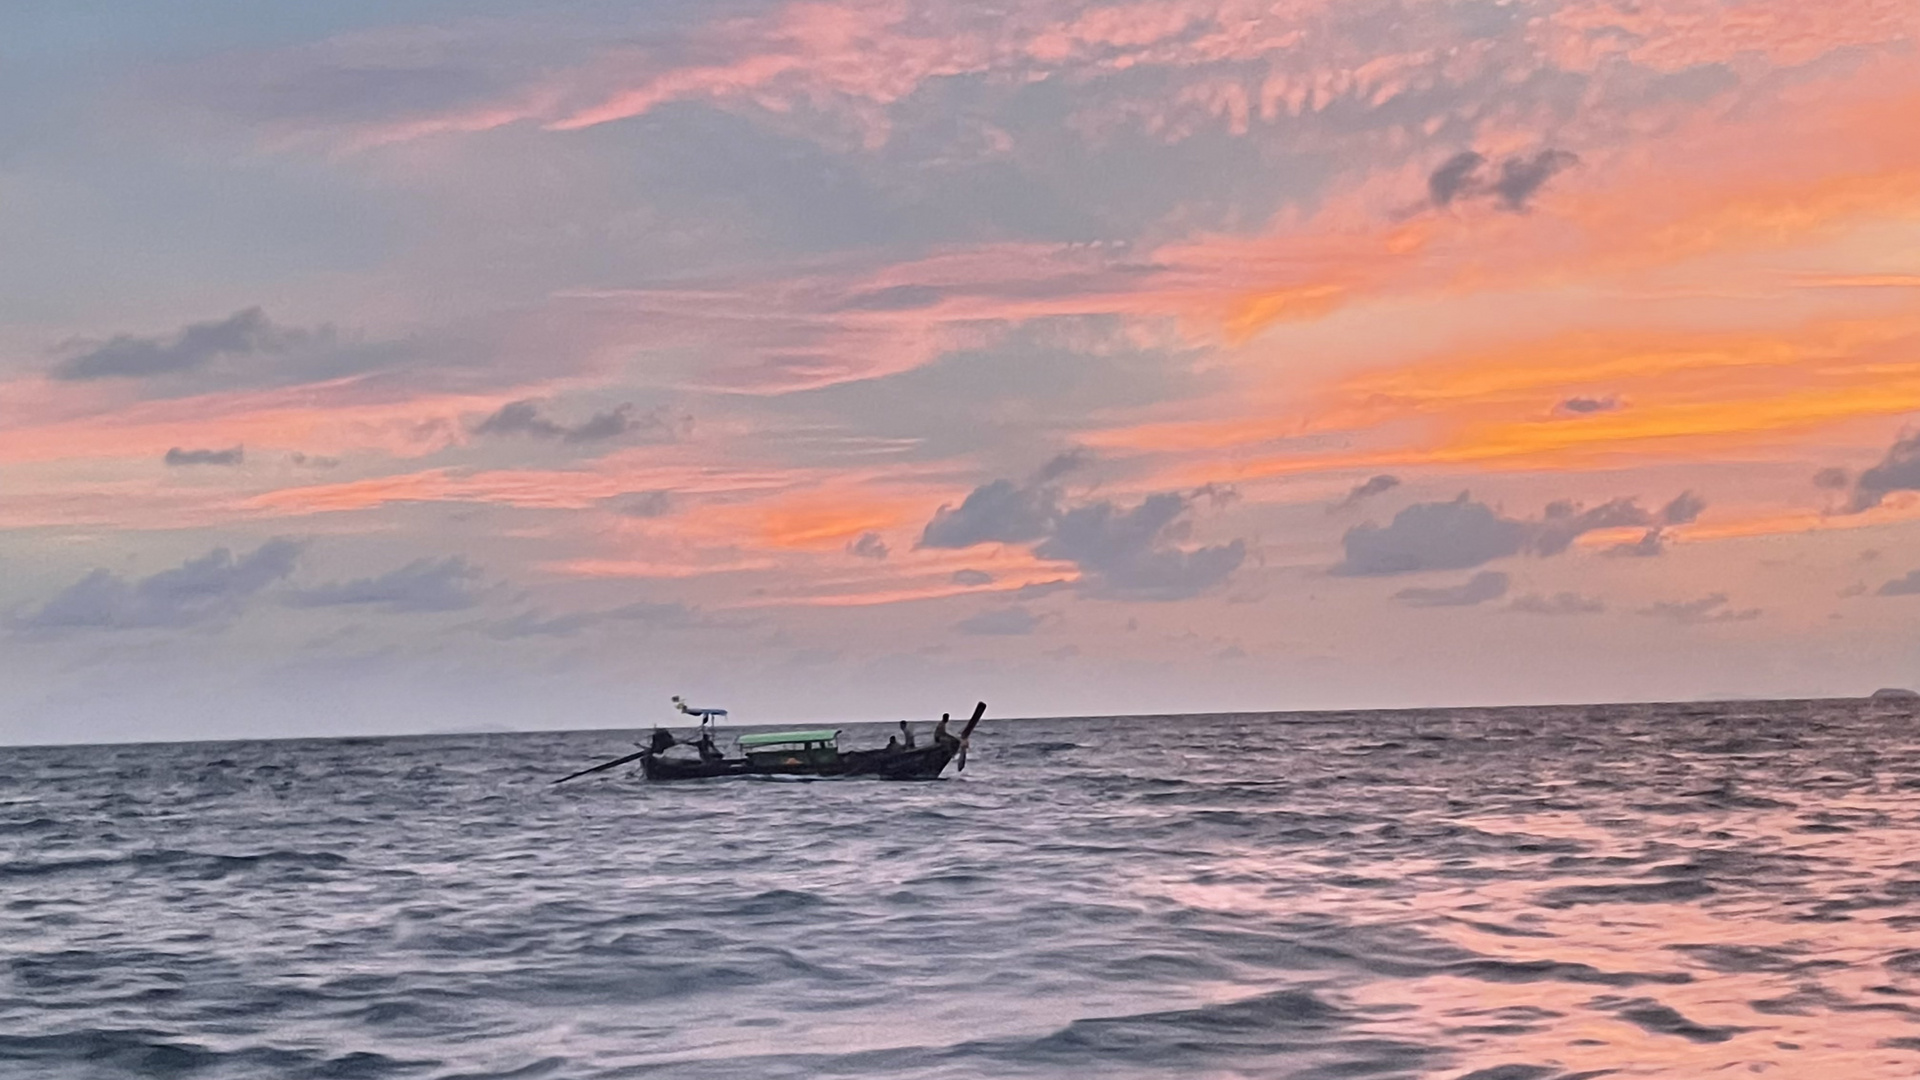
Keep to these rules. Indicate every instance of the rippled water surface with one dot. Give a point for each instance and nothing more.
(1523, 894)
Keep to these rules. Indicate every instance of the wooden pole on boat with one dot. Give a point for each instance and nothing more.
(979, 710)
(607, 765)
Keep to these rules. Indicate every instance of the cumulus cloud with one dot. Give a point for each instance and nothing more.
(424, 585)
(1898, 471)
(524, 418)
(1000, 621)
(232, 456)
(1376, 485)
(244, 333)
(1478, 589)
(1456, 535)
(1002, 512)
(1123, 552)
(1133, 552)
(208, 589)
(869, 545)
(1901, 586)
(1712, 608)
(972, 578)
(1466, 176)
(1462, 534)
(1560, 603)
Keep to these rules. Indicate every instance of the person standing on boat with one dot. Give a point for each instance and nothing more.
(941, 736)
(906, 736)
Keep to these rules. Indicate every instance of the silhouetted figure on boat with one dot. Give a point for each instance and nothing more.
(906, 735)
(893, 744)
(943, 737)
(708, 751)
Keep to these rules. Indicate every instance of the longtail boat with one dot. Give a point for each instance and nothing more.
(813, 752)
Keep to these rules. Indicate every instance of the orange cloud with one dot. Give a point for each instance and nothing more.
(816, 523)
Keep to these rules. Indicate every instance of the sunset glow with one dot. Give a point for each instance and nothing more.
(869, 356)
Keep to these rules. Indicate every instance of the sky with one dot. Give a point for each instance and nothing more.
(426, 365)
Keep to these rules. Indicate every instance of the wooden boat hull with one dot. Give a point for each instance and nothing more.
(920, 763)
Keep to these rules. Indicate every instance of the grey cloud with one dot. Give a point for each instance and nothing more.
(1685, 509)
(539, 624)
(524, 418)
(1521, 178)
(203, 590)
(244, 333)
(1560, 603)
(1901, 586)
(1651, 543)
(1131, 552)
(1898, 471)
(1711, 608)
(1563, 522)
(1376, 485)
(641, 504)
(1001, 621)
(1833, 479)
(1458, 175)
(313, 460)
(1463, 534)
(1062, 464)
(232, 456)
(1478, 589)
(1456, 535)
(1124, 552)
(424, 585)
(1586, 406)
(972, 578)
(1000, 512)
(1463, 176)
(868, 546)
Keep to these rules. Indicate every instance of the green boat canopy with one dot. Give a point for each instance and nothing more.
(783, 738)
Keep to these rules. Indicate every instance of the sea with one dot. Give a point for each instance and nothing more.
(1694, 890)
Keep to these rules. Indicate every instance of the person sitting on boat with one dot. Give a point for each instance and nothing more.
(941, 736)
(906, 736)
(893, 744)
(708, 751)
